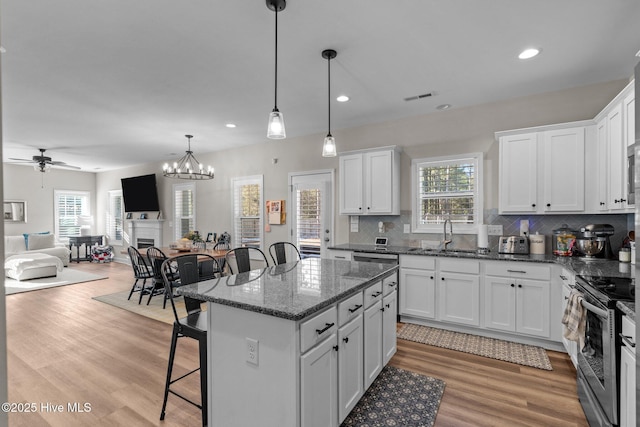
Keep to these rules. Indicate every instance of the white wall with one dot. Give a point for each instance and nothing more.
(36, 188)
(454, 131)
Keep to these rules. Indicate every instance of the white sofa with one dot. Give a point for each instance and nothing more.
(38, 243)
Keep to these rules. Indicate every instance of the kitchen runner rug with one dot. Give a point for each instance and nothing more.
(398, 398)
(154, 310)
(67, 276)
(522, 354)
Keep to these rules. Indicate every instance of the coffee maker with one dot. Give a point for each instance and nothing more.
(602, 231)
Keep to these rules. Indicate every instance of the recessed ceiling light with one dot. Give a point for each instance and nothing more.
(342, 98)
(443, 107)
(529, 53)
(2, 49)
(230, 125)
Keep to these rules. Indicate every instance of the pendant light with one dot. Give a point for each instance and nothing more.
(275, 128)
(329, 146)
(188, 167)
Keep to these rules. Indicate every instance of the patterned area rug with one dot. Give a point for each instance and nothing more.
(398, 398)
(521, 354)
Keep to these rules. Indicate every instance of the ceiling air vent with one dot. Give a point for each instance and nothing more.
(424, 95)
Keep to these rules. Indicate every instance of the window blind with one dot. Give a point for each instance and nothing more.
(247, 211)
(184, 209)
(69, 205)
(309, 203)
(115, 221)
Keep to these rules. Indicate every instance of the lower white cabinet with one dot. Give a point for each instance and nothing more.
(417, 280)
(319, 384)
(389, 319)
(372, 342)
(350, 366)
(628, 375)
(517, 304)
(459, 291)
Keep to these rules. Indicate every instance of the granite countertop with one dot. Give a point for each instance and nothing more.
(627, 308)
(290, 291)
(580, 265)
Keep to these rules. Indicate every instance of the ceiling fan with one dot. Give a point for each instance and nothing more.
(44, 163)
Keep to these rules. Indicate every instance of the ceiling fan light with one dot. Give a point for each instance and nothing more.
(275, 128)
(329, 146)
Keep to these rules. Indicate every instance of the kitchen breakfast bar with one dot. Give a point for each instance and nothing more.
(296, 344)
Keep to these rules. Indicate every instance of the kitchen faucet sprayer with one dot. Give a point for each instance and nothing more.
(446, 241)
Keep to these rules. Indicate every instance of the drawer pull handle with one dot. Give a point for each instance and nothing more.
(563, 277)
(340, 257)
(325, 329)
(627, 340)
(376, 295)
(517, 271)
(392, 284)
(355, 308)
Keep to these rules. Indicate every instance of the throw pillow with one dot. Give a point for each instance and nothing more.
(26, 237)
(14, 244)
(41, 241)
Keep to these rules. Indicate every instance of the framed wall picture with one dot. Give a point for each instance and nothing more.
(276, 214)
(15, 211)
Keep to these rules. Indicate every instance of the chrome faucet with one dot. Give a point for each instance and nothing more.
(446, 241)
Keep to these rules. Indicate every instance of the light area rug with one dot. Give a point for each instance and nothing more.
(398, 398)
(154, 310)
(522, 354)
(67, 276)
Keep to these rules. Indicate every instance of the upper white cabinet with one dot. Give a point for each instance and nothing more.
(542, 169)
(615, 131)
(370, 182)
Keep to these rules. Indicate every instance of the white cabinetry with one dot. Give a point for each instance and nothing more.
(372, 333)
(350, 361)
(319, 384)
(369, 182)
(418, 290)
(458, 291)
(517, 298)
(628, 374)
(615, 126)
(542, 169)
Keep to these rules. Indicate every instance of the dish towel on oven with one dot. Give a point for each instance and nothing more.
(574, 319)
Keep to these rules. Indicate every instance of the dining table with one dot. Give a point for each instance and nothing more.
(173, 252)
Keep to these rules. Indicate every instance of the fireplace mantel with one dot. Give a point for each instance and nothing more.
(146, 229)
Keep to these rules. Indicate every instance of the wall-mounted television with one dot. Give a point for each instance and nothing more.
(140, 194)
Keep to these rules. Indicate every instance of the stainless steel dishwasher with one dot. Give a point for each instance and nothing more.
(383, 258)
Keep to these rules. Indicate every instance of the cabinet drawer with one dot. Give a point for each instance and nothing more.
(629, 328)
(524, 270)
(389, 284)
(372, 294)
(344, 255)
(350, 308)
(459, 266)
(418, 261)
(318, 328)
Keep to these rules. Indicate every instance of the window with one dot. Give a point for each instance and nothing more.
(247, 211)
(69, 205)
(308, 221)
(447, 188)
(114, 221)
(184, 202)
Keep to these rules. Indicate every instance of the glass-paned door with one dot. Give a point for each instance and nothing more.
(312, 211)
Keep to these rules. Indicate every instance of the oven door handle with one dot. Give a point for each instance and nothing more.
(600, 312)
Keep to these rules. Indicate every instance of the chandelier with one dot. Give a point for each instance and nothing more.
(188, 167)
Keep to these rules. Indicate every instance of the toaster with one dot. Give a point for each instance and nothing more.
(515, 245)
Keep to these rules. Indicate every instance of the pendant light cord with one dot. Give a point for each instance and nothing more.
(275, 106)
(329, 94)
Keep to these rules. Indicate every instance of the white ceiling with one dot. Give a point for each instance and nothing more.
(107, 84)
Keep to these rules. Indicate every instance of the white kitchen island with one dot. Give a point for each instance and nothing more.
(296, 344)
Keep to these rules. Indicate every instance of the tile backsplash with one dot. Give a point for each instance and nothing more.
(543, 224)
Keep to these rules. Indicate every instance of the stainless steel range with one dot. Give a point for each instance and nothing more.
(598, 370)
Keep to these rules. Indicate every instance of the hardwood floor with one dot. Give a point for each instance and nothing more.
(65, 347)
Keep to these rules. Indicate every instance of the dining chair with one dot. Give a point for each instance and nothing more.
(222, 246)
(141, 271)
(156, 257)
(190, 268)
(278, 252)
(245, 259)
